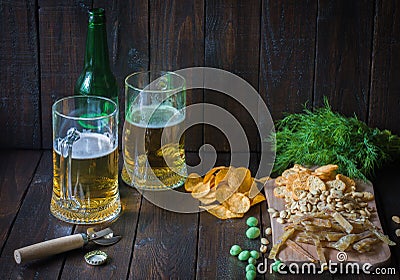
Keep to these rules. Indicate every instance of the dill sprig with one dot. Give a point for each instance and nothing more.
(322, 137)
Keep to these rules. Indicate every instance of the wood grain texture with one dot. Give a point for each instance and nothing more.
(19, 65)
(33, 224)
(177, 42)
(120, 254)
(165, 245)
(62, 47)
(287, 55)
(385, 83)
(343, 52)
(232, 37)
(16, 172)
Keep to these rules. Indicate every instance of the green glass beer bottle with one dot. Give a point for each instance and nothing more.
(96, 77)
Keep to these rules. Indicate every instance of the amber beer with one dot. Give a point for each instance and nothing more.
(93, 193)
(154, 150)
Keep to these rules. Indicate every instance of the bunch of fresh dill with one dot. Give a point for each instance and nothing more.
(322, 137)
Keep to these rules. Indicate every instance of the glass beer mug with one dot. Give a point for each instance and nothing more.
(153, 140)
(85, 160)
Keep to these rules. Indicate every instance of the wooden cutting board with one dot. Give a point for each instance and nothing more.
(378, 257)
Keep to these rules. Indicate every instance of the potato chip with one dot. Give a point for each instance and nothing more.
(223, 192)
(191, 181)
(209, 198)
(201, 190)
(233, 188)
(232, 179)
(238, 203)
(210, 174)
(244, 176)
(254, 190)
(221, 212)
(257, 199)
(221, 175)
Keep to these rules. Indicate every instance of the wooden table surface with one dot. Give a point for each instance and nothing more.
(156, 243)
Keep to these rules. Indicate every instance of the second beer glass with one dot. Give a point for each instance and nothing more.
(153, 140)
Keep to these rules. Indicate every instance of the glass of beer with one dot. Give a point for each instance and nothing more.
(153, 136)
(85, 160)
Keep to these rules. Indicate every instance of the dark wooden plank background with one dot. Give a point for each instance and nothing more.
(292, 52)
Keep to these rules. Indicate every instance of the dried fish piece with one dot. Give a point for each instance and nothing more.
(343, 222)
(313, 228)
(307, 216)
(364, 245)
(343, 243)
(275, 249)
(334, 236)
(320, 251)
(321, 222)
(309, 240)
(296, 247)
(379, 234)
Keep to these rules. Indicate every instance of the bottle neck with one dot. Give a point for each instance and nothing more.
(96, 55)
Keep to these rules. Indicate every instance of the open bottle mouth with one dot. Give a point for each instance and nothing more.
(97, 16)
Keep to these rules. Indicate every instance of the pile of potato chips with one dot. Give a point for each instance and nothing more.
(226, 192)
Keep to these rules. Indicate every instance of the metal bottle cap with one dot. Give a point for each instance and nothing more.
(96, 257)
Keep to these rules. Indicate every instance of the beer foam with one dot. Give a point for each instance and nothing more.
(91, 145)
(155, 116)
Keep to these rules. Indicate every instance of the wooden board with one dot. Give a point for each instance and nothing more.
(342, 56)
(379, 257)
(19, 79)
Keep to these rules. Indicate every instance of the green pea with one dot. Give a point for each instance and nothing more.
(235, 250)
(251, 275)
(253, 232)
(255, 254)
(275, 265)
(252, 222)
(252, 260)
(244, 255)
(250, 267)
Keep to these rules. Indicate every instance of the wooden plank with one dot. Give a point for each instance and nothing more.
(217, 236)
(62, 47)
(19, 64)
(119, 254)
(165, 245)
(287, 55)
(17, 168)
(343, 51)
(33, 224)
(84, 4)
(177, 42)
(385, 82)
(232, 37)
